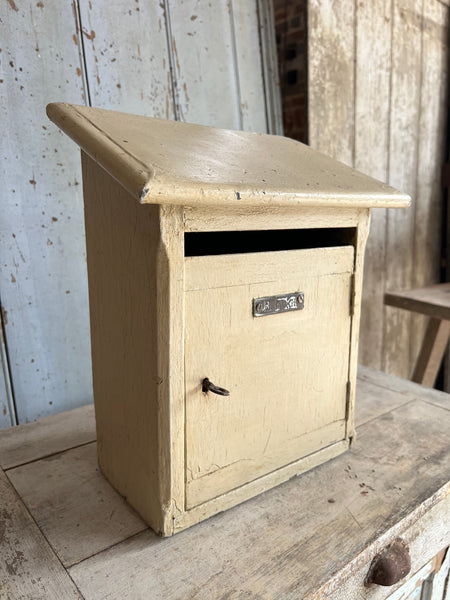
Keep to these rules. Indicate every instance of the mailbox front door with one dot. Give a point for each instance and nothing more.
(286, 371)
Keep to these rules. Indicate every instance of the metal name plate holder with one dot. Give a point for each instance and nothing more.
(272, 305)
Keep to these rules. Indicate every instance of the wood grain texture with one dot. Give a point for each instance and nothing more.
(399, 75)
(433, 300)
(126, 56)
(430, 158)
(29, 570)
(404, 119)
(44, 437)
(269, 58)
(377, 400)
(203, 47)
(43, 276)
(110, 54)
(331, 77)
(7, 410)
(144, 564)
(389, 481)
(79, 515)
(439, 584)
(432, 351)
(424, 539)
(372, 95)
(245, 38)
(403, 387)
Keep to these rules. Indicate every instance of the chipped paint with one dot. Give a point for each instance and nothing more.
(89, 36)
(12, 5)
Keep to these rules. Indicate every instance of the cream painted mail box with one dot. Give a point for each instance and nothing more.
(225, 273)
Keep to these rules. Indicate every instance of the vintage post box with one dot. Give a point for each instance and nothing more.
(225, 273)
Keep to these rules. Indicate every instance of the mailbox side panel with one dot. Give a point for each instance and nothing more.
(122, 240)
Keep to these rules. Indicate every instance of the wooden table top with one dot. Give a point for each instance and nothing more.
(433, 300)
(65, 533)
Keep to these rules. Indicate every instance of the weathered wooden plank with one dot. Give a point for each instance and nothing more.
(404, 119)
(403, 387)
(204, 67)
(433, 301)
(400, 459)
(431, 352)
(424, 538)
(74, 506)
(331, 77)
(47, 436)
(7, 411)
(245, 33)
(431, 145)
(269, 63)
(373, 400)
(126, 56)
(29, 570)
(372, 94)
(440, 581)
(43, 275)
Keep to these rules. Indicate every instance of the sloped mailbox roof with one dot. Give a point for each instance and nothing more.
(167, 162)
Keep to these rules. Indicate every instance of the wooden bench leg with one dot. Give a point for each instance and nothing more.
(431, 352)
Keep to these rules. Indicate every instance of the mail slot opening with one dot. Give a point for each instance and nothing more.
(240, 242)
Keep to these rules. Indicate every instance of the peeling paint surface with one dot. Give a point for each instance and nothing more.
(125, 64)
(193, 62)
(42, 231)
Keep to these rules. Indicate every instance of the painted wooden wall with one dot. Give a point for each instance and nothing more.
(377, 82)
(187, 60)
(377, 101)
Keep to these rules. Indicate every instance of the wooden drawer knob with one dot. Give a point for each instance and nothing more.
(391, 565)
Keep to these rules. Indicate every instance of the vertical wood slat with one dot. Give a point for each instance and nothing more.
(431, 352)
(274, 110)
(204, 68)
(43, 272)
(404, 119)
(7, 409)
(331, 77)
(399, 81)
(248, 59)
(431, 140)
(125, 50)
(117, 54)
(373, 52)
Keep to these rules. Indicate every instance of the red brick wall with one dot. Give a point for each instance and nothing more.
(291, 33)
